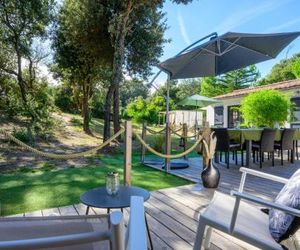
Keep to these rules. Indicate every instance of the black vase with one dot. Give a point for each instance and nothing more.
(210, 176)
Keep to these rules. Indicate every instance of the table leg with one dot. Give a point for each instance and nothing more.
(248, 152)
(217, 159)
(148, 232)
(108, 210)
(87, 210)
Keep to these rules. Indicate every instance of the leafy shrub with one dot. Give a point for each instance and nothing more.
(37, 110)
(76, 122)
(22, 134)
(158, 143)
(265, 108)
(147, 109)
(296, 68)
(63, 99)
(137, 110)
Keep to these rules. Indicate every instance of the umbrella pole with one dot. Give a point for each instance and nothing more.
(196, 117)
(168, 135)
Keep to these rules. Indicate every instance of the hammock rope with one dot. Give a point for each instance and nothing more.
(60, 156)
(152, 150)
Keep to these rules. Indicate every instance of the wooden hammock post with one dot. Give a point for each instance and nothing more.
(168, 147)
(143, 149)
(128, 153)
(184, 133)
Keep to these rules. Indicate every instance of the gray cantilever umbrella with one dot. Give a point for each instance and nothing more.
(227, 52)
(222, 54)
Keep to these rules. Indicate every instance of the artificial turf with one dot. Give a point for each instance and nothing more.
(25, 191)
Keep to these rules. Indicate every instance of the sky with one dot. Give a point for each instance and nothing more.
(188, 23)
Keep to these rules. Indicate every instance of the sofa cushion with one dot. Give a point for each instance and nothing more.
(280, 223)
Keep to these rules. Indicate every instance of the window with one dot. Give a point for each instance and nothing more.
(296, 101)
(219, 116)
(234, 116)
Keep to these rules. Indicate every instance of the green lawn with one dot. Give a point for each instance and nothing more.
(25, 191)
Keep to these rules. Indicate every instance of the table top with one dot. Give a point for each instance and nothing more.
(98, 197)
(254, 134)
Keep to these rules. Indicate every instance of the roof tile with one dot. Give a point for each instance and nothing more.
(285, 85)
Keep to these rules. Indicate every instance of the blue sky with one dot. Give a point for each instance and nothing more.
(188, 23)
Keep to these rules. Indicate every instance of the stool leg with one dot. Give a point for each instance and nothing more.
(227, 158)
(207, 238)
(148, 232)
(260, 159)
(297, 150)
(242, 153)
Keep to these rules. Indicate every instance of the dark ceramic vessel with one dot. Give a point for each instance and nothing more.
(210, 176)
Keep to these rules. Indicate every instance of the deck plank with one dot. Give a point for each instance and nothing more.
(51, 212)
(173, 213)
(34, 213)
(68, 210)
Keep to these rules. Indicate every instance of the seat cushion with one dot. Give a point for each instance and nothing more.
(251, 224)
(279, 221)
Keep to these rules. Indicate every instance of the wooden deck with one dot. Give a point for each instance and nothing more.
(230, 178)
(173, 213)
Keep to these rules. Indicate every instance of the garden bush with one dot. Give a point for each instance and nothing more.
(265, 108)
(22, 134)
(158, 143)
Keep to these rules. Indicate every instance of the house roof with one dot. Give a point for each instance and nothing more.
(286, 85)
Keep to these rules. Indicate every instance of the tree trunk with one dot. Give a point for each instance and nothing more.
(116, 109)
(118, 62)
(107, 110)
(86, 109)
(20, 79)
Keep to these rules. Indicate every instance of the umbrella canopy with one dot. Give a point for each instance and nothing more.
(227, 52)
(197, 101)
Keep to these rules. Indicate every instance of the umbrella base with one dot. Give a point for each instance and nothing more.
(177, 164)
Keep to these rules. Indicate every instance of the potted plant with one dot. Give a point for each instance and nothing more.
(210, 175)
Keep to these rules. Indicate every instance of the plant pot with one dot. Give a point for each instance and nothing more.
(210, 176)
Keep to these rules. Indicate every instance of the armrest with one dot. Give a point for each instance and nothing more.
(266, 203)
(260, 174)
(136, 232)
(259, 201)
(264, 175)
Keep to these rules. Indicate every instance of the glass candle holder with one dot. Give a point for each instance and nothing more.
(112, 183)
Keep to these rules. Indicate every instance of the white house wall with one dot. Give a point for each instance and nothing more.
(237, 101)
(178, 117)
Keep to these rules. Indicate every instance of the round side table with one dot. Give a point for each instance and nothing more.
(98, 197)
